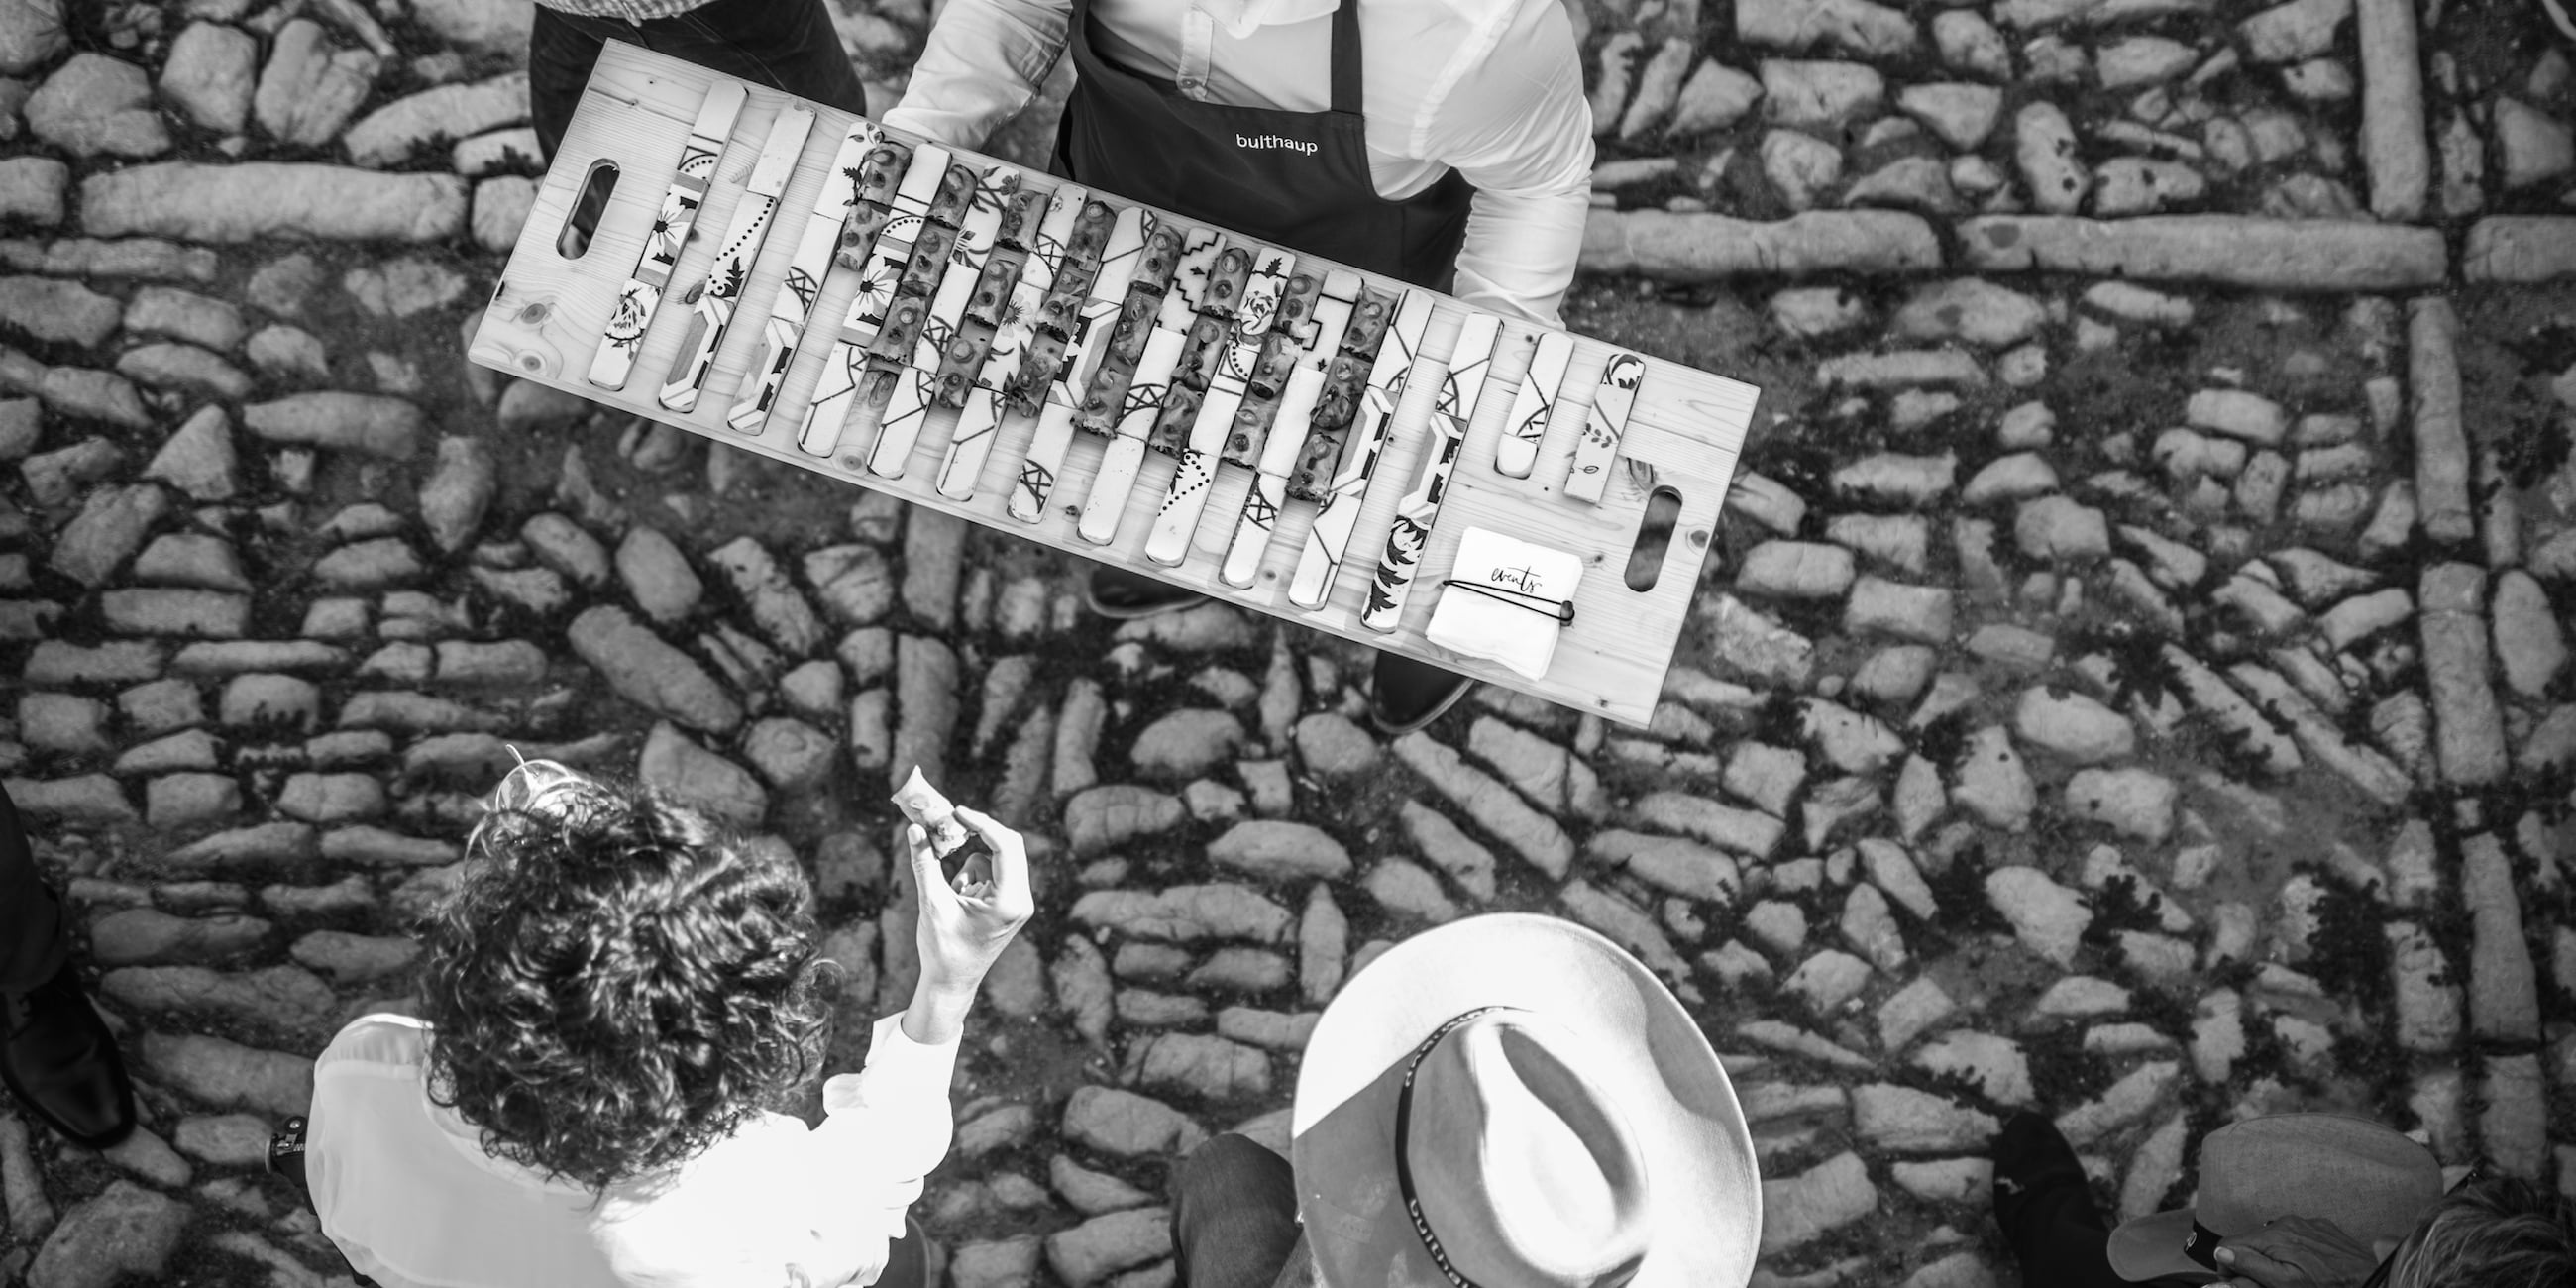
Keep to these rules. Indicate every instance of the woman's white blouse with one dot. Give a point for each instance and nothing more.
(407, 1192)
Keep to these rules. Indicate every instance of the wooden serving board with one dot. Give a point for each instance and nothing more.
(547, 313)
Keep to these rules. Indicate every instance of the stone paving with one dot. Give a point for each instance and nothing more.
(2133, 682)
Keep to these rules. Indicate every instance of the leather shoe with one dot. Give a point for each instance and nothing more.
(61, 1062)
(1122, 596)
(1405, 695)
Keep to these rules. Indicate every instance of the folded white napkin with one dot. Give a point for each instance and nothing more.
(1507, 601)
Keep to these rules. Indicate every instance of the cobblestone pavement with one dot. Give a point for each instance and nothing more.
(2133, 682)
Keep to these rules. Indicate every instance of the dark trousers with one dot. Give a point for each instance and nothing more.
(2065, 1243)
(907, 1259)
(32, 942)
(784, 44)
(1395, 671)
(1234, 1214)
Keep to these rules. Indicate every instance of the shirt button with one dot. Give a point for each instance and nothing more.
(1189, 84)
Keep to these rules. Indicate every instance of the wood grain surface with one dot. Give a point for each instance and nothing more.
(546, 315)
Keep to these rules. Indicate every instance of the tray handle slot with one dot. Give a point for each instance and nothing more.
(1654, 537)
(581, 220)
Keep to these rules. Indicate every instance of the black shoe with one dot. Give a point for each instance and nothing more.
(61, 1062)
(1406, 695)
(2035, 1169)
(1122, 596)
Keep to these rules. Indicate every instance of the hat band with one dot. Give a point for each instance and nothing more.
(2201, 1245)
(1403, 1137)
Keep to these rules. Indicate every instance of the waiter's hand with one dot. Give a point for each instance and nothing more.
(2295, 1252)
(966, 923)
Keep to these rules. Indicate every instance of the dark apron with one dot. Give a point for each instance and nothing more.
(1300, 179)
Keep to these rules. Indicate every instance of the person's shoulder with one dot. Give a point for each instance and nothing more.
(381, 1038)
(760, 1175)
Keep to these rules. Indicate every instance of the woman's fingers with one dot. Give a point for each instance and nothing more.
(925, 865)
(984, 825)
(1010, 853)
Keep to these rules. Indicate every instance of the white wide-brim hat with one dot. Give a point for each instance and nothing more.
(1557, 1116)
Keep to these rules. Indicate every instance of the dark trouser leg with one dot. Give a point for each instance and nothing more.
(32, 943)
(561, 52)
(907, 1259)
(2045, 1207)
(1117, 592)
(1406, 692)
(1234, 1214)
(2064, 1243)
(1407, 674)
(784, 44)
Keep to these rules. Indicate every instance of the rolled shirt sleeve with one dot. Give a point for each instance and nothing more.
(904, 1085)
(1509, 113)
(983, 64)
(884, 1129)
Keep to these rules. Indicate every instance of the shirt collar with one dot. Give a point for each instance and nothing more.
(1241, 17)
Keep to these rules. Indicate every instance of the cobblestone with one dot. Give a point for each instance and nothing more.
(1280, 849)
(651, 672)
(1834, 1193)
(2128, 503)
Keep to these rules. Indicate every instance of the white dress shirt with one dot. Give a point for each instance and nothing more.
(409, 1195)
(1490, 88)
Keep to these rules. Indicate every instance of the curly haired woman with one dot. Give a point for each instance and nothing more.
(620, 999)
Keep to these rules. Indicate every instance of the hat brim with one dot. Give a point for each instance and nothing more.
(1654, 1065)
(2151, 1247)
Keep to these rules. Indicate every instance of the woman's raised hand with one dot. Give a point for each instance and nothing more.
(968, 921)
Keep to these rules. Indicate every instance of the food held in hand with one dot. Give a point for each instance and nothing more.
(922, 803)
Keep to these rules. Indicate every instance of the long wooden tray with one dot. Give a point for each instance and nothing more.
(546, 316)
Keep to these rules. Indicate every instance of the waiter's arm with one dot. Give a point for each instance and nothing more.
(983, 64)
(1514, 121)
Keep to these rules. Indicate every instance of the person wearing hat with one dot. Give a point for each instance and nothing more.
(1444, 143)
(2285, 1201)
(1508, 1101)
